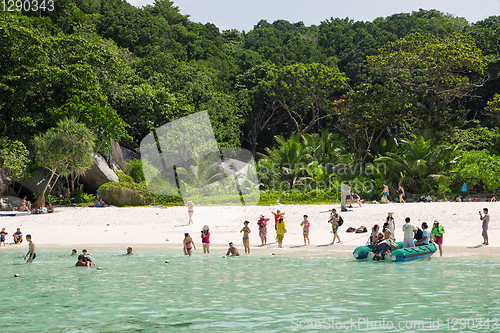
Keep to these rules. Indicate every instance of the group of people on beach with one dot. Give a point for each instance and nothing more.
(26, 207)
(262, 223)
(413, 236)
(17, 235)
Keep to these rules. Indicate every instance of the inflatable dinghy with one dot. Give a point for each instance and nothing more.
(407, 254)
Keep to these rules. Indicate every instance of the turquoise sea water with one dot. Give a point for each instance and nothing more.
(294, 290)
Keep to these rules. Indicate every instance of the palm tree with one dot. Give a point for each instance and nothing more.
(291, 157)
(317, 176)
(421, 159)
(326, 148)
(201, 171)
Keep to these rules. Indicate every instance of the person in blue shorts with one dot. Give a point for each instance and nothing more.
(31, 250)
(334, 220)
(385, 194)
(18, 236)
(2, 237)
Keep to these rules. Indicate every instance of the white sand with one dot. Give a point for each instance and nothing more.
(165, 226)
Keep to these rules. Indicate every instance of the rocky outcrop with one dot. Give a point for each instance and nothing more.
(10, 203)
(36, 183)
(121, 197)
(117, 155)
(129, 154)
(99, 174)
(4, 176)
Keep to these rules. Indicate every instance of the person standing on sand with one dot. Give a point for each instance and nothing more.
(190, 206)
(31, 250)
(246, 238)
(385, 194)
(277, 216)
(401, 193)
(409, 230)
(392, 224)
(280, 231)
(334, 220)
(188, 245)
(3, 233)
(262, 223)
(486, 221)
(437, 236)
(305, 230)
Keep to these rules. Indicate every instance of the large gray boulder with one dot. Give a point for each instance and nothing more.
(36, 183)
(9, 203)
(117, 155)
(99, 174)
(121, 197)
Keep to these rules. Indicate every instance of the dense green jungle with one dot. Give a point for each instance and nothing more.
(412, 99)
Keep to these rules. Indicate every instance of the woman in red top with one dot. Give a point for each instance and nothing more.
(262, 223)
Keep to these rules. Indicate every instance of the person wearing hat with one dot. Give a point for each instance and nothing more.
(305, 230)
(280, 231)
(392, 224)
(205, 239)
(486, 221)
(437, 236)
(262, 223)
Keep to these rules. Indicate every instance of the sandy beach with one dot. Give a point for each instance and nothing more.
(165, 226)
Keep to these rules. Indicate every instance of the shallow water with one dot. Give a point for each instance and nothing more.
(308, 290)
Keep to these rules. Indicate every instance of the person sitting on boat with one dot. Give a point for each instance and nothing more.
(425, 236)
(389, 237)
(375, 237)
(381, 249)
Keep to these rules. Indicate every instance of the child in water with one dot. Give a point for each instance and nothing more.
(246, 239)
(305, 230)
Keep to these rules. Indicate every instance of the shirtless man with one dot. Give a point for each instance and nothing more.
(232, 250)
(31, 250)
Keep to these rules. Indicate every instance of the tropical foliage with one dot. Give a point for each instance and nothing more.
(64, 150)
(317, 104)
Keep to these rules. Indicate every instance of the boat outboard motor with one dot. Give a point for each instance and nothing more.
(380, 250)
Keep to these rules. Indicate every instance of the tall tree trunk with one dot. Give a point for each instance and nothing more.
(40, 201)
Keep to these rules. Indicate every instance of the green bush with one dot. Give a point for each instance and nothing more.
(133, 168)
